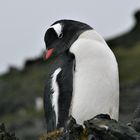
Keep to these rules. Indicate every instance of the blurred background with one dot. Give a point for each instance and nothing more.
(23, 72)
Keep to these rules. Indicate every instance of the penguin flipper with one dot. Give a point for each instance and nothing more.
(49, 111)
(65, 83)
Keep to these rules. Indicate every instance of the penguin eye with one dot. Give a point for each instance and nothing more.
(61, 35)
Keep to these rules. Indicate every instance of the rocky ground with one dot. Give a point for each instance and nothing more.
(100, 127)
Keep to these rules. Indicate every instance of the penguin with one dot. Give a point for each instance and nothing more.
(83, 76)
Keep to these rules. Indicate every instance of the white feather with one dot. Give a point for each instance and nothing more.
(55, 94)
(96, 83)
(58, 28)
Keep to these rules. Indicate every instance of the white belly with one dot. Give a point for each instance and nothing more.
(96, 85)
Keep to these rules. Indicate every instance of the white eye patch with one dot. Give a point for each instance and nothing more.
(58, 29)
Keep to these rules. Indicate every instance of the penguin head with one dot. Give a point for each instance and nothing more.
(61, 35)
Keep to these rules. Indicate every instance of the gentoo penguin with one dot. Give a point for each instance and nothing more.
(83, 75)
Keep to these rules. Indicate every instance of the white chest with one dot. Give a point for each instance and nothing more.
(96, 85)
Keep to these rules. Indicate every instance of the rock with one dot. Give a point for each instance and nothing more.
(135, 123)
(5, 135)
(101, 127)
(109, 129)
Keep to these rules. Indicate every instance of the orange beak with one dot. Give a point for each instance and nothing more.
(48, 54)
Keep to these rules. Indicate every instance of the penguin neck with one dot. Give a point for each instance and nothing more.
(92, 35)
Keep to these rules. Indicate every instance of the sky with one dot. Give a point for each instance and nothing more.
(23, 23)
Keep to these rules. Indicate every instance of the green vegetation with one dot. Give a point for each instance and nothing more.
(129, 63)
